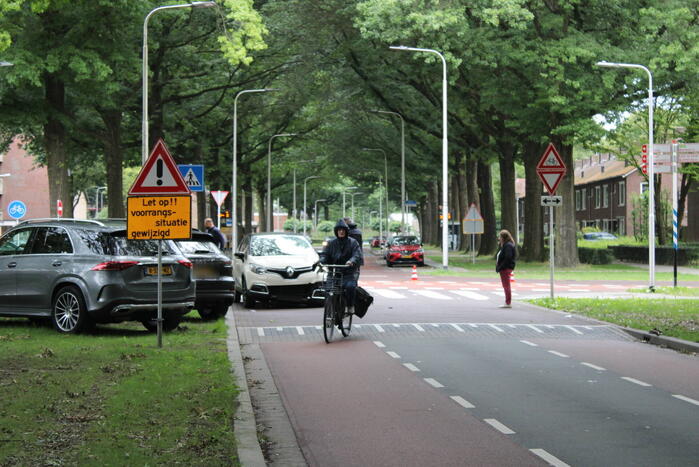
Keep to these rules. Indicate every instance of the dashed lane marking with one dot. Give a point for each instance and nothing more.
(411, 367)
(686, 399)
(418, 327)
(498, 329)
(457, 327)
(393, 354)
(558, 354)
(261, 332)
(573, 329)
(529, 343)
(433, 382)
(299, 329)
(498, 426)
(531, 326)
(380, 344)
(462, 402)
(636, 381)
(379, 328)
(594, 367)
(551, 459)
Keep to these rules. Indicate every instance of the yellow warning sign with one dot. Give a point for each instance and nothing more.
(159, 217)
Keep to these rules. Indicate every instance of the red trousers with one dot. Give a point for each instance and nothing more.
(505, 279)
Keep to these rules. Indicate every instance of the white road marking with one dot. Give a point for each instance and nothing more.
(418, 327)
(479, 283)
(469, 294)
(614, 286)
(531, 326)
(551, 459)
(635, 381)
(393, 354)
(462, 402)
(379, 344)
(542, 284)
(578, 290)
(686, 399)
(388, 293)
(473, 325)
(447, 282)
(496, 328)
(573, 329)
(300, 330)
(261, 332)
(395, 325)
(379, 328)
(397, 287)
(280, 329)
(540, 290)
(500, 293)
(559, 354)
(434, 288)
(411, 367)
(435, 325)
(498, 426)
(432, 294)
(434, 383)
(318, 328)
(457, 327)
(594, 367)
(529, 343)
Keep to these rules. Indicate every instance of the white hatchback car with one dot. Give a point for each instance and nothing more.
(277, 267)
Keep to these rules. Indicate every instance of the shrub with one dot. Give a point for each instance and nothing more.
(326, 226)
(595, 255)
(663, 254)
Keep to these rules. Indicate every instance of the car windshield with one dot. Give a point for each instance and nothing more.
(279, 245)
(400, 241)
(192, 247)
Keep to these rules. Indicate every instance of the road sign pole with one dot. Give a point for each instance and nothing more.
(675, 227)
(473, 248)
(551, 246)
(160, 295)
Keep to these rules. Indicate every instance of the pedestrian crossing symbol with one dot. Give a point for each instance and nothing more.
(193, 176)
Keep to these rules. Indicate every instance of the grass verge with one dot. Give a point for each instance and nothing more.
(674, 318)
(675, 291)
(114, 398)
(485, 267)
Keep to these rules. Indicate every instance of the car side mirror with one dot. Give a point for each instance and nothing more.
(240, 255)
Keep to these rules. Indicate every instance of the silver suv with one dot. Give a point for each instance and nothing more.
(79, 272)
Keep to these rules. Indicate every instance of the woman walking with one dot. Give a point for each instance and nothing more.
(506, 264)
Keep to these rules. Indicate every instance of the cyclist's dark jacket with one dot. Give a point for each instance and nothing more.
(356, 234)
(340, 250)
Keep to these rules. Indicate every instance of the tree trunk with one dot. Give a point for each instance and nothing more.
(262, 208)
(247, 193)
(533, 246)
(566, 242)
(661, 224)
(472, 192)
(114, 159)
(508, 196)
(685, 187)
(459, 182)
(54, 143)
(488, 244)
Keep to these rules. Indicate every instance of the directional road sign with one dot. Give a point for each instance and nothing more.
(551, 200)
(159, 175)
(16, 209)
(551, 169)
(193, 176)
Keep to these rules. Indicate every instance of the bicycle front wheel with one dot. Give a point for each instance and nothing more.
(346, 323)
(328, 319)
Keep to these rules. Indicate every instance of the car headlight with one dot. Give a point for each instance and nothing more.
(257, 269)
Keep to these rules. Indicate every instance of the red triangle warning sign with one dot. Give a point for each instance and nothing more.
(551, 159)
(159, 175)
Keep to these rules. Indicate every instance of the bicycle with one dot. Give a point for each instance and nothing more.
(335, 310)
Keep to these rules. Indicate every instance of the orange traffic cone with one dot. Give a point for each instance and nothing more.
(413, 276)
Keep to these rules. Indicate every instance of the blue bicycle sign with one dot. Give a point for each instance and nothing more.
(16, 209)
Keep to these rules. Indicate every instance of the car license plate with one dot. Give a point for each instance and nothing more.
(153, 270)
(407, 256)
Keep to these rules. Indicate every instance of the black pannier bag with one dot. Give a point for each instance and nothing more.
(362, 302)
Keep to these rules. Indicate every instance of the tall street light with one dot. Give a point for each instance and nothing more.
(234, 176)
(144, 123)
(344, 199)
(97, 200)
(315, 213)
(402, 164)
(385, 166)
(353, 195)
(294, 213)
(445, 153)
(269, 177)
(651, 169)
(304, 201)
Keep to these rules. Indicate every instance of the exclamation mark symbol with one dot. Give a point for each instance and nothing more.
(159, 171)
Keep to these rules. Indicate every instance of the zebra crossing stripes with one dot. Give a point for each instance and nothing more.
(435, 294)
(469, 294)
(432, 294)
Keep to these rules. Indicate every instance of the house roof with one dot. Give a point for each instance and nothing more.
(596, 173)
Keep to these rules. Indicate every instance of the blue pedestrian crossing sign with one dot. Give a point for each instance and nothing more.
(193, 176)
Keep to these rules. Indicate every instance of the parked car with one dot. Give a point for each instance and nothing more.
(376, 242)
(599, 236)
(212, 272)
(404, 249)
(277, 267)
(325, 242)
(80, 272)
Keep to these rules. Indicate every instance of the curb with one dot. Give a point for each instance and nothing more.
(245, 426)
(663, 341)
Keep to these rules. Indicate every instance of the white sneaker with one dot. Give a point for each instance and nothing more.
(350, 310)
(505, 306)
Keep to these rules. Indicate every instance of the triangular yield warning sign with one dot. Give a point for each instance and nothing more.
(159, 175)
(473, 214)
(551, 180)
(551, 159)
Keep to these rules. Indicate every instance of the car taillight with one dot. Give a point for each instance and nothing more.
(185, 263)
(114, 265)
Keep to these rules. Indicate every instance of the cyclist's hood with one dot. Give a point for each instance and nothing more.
(350, 223)
(341, 225)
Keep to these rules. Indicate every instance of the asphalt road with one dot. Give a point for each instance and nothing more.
(437, 374)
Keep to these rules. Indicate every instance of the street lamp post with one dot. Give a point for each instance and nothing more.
(295, 214)
(304, 201)
(353, 195)
(234, 175)
(144, 123)
(385, 166)
(651, 169)
(269, 177)
(97, 200)
(445, 153)
(344, 203)
(402, 164)
(315, 214)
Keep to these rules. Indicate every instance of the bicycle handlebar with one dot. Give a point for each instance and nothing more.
(334, 265)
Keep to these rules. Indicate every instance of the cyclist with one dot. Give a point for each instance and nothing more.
(343, 249)
(356, 234)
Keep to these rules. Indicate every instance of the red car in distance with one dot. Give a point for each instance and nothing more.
(376, 241)
(404, 249)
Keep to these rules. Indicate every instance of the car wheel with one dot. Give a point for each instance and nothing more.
(220, 310)
(170, 323)
(236, 296)
(69, 313)
(207, 313)
(421, 264)
(389, 264)
(248, 300)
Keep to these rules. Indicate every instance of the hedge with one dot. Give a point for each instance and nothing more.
(595, 255)
(663, 254)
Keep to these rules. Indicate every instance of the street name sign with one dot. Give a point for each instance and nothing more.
(193, 176)
(551, 169)
(551, 200)
(473, 223)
